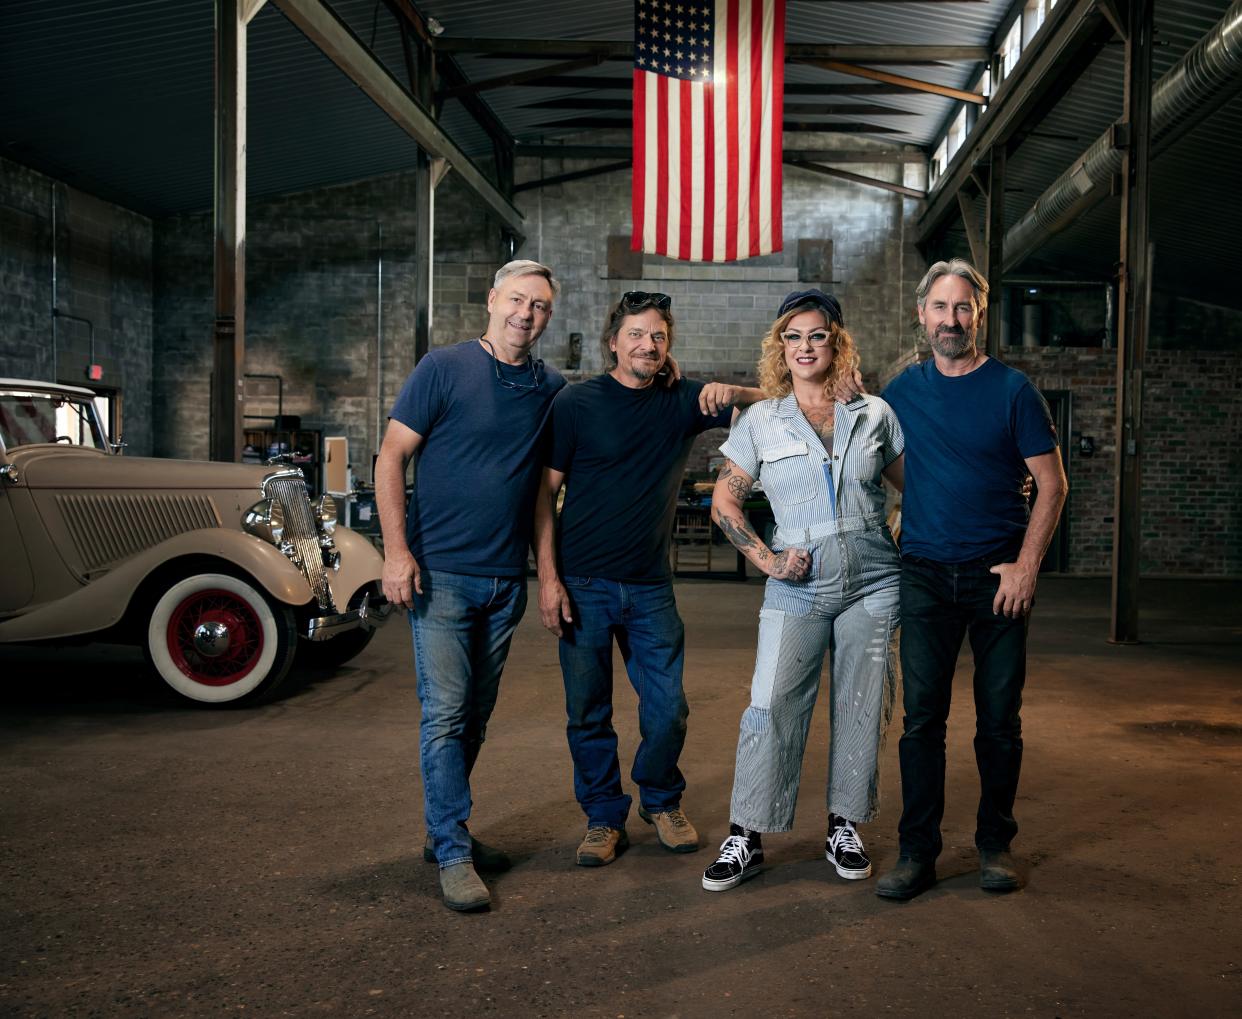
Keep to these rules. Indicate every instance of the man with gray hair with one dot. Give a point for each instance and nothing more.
(455, 557)
(970, 558)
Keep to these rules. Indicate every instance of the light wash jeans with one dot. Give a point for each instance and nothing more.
(462, 626)
(849, 608)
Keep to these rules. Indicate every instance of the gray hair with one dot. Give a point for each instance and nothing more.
(525, 267)
(954, 267)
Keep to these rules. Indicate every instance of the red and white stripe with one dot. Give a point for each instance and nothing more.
(707, 155)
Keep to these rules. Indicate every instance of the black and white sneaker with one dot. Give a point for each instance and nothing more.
(844, 849)
(741, 857)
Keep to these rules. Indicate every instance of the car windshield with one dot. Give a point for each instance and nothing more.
(28, 417)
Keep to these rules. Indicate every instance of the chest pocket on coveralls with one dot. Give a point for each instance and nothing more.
(790, 473)
(867, 463)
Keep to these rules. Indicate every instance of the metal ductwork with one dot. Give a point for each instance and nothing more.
(1203, 80)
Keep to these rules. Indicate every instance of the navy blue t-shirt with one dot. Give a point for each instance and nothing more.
(478, 468)
(967, 439)
(623, 452)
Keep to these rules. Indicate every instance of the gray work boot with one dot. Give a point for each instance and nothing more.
(997, 872)
(906, 880)
(463, 889)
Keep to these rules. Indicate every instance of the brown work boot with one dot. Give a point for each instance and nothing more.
(601, 846)
(675, 832)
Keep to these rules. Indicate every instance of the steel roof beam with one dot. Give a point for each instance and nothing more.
(1065, 46)
(623, 49)
(624, 124)
(898, 80)
(879, 156)
(855, 178)
(583, 81)
(319, 24)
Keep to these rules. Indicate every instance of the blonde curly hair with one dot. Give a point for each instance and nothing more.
(774, 377)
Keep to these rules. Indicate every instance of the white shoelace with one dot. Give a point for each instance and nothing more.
(735, 849)
(845, 840)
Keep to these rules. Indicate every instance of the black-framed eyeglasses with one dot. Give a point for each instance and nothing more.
(638, 299)
(816, 339)
(535, 364)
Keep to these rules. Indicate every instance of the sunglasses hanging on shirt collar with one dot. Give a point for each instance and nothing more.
(533, 363)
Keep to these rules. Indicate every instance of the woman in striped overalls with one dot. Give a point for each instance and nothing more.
(833, 572)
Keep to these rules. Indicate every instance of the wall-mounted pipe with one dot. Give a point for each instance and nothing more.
(54, 377)
(379, 337)
(1205, 78)
(90, 330)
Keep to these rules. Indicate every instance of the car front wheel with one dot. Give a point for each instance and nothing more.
(216, 639)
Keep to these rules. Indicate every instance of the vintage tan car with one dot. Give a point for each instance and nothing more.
(218, 570)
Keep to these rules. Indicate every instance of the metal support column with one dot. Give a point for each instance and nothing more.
(1133, 312)
(229, 336)
(996, 236)
(424, 246)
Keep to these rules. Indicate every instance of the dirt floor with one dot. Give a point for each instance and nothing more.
(169, 861)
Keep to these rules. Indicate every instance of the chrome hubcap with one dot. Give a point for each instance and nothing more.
(211, 639)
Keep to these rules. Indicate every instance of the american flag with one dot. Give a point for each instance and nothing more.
(709, 88)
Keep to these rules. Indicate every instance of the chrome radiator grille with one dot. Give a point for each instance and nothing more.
(302, 533)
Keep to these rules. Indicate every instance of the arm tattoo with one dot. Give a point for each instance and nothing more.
(742, 536)
(740, 487)
(726, 471)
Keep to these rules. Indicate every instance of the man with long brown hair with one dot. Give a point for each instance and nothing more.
(620, 442)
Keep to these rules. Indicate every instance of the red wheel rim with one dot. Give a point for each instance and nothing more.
(244, 628)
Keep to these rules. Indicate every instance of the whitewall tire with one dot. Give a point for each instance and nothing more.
(217, 639)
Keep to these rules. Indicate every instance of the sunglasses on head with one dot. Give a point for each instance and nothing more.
(637, 299)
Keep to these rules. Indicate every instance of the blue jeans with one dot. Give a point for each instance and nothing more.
(941, 603)
(462, 627)
(643, 618)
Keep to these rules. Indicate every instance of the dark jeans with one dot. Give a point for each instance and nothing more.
(643, 620)
(940, 604)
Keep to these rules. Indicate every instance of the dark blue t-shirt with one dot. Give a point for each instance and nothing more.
(478, 468)
(623, 452)
(967, 439)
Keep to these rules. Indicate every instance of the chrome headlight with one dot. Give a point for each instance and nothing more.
(266, 520)
(325, 512)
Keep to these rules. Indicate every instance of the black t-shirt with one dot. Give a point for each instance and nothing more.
(623, 452)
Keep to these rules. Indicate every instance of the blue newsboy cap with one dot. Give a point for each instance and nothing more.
(813, 298)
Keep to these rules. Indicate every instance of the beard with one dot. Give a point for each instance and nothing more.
(643, 368)
(951, 343)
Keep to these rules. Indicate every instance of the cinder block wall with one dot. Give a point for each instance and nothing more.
(316, 317)
(103, 274)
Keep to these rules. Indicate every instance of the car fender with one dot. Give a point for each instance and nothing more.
(104, 602)
(360, 565)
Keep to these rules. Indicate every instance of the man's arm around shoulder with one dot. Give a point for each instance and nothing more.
(402, 578)
(718, 396)
(1017, 584)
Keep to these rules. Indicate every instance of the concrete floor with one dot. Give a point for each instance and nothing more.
(168, 861)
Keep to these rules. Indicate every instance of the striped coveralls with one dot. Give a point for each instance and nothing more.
(848, 607)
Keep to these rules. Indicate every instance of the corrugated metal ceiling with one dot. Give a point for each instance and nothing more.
(1196, 213)
(115, 97)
